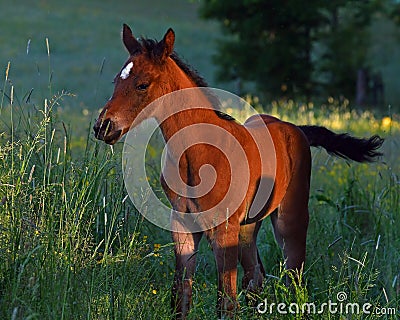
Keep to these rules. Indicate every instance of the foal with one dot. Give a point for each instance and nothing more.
(152, 71)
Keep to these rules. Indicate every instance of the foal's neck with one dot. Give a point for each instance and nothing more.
(197, 109)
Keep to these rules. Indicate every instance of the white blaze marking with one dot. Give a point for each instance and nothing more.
(126, 71)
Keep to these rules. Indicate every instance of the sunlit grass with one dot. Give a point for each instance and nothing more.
(335, 115)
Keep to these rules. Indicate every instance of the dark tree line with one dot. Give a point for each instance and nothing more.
(295, 48)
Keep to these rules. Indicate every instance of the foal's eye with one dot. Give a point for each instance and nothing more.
(142, 86)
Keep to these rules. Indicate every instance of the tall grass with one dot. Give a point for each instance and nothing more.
(73, 247)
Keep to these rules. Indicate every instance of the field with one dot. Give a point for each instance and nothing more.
(71, 244)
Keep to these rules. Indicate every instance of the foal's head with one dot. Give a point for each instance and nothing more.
(148, 74)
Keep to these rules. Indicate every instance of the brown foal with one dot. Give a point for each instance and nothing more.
(154, 70)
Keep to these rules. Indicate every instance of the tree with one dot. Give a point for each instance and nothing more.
(344, 43)
(291, 47)
(271, 42)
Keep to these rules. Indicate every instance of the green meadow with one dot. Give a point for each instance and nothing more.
(72, 246)
(84, 40)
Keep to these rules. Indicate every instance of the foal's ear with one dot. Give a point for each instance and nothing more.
(131, 44)
(166, 45)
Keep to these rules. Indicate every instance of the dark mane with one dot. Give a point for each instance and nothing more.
(189, 71)
(151, 47)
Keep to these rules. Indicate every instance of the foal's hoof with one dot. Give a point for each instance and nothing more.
(252, 290)
(252, 298)
(227, 308)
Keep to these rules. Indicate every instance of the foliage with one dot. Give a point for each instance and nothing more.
(344, 44)
(271, 44)
(292, 49)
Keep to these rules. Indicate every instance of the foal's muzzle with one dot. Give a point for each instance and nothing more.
(105, 130)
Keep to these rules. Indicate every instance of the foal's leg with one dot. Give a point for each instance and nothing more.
(249, 257)
(186, 246)
(290, 222)
(224, 241)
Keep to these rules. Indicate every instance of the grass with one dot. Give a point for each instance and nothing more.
(86, 48)
(61, 221)
(85, 43)
(71, 244)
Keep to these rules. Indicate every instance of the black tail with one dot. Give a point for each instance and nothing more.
(343, 145)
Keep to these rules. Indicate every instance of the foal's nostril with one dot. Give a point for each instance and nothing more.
(101, 128)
